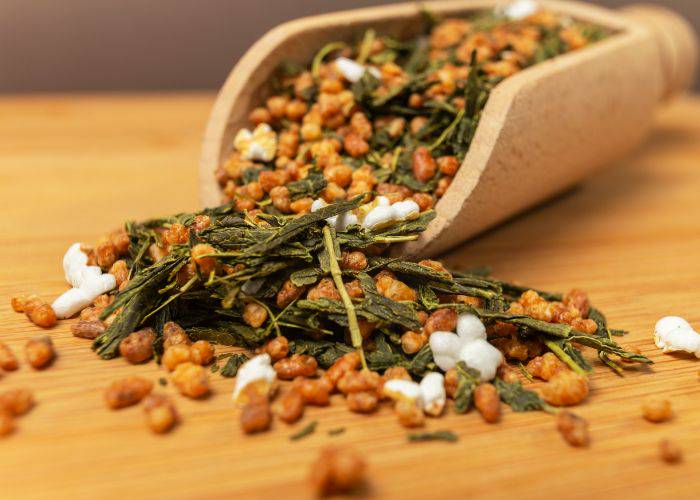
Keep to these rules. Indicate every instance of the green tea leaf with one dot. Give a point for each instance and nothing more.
(308, 187)
(433, 436)
(518, 398)
(309, 429)
(306, 276)
(326, 352)
(231, 367)
(467, 381)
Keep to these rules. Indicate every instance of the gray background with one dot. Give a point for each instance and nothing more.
(79, 45)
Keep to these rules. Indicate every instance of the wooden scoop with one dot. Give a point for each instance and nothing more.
(542, 130)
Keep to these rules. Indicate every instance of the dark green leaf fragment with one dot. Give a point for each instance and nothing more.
(467, 381)
(295, 227)
(518, 398)
(230, 333)
(325, 351)
(137, 301)
(433, 436)
(608, 346)
(309, 429)
(306, 276)
(310, 186)
(390, 311)
(231, 367)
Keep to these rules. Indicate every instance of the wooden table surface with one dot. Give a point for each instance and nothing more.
(75, 166)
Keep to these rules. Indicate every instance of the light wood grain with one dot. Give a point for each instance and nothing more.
(72, 167)
(542, 130)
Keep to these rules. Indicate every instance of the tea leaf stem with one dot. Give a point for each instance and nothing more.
(337, 275)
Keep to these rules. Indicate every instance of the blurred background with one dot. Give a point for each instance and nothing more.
(101, 45)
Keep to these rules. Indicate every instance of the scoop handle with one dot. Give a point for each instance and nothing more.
(677, 43)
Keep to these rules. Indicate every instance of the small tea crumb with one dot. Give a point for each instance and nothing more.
(256, 415)
(573, 428)
(7, 423)
(670, 452)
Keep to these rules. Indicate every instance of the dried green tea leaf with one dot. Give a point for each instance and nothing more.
(309, 429)
(433, 436)
(295, 227)
(228, 333)
(231, 367)
(609, 346)
(137, 301)
(308, 187)
(306, 276)
(467, 381)
(325, 352)
(518, 398)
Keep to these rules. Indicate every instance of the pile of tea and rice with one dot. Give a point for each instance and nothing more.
(345, 160)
